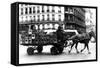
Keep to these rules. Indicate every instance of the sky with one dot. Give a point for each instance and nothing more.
(92, 13)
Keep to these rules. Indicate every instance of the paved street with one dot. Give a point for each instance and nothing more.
(65, 56)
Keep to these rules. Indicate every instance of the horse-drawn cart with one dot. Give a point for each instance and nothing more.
(36, 41)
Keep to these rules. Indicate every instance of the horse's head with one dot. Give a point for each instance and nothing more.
(92, 34)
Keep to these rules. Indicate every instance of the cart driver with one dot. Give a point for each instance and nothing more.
(60, 34)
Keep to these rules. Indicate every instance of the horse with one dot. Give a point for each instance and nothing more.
(81, 38)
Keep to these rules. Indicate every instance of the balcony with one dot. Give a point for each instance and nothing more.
(80, 23)
(79, 15)
(68, 12)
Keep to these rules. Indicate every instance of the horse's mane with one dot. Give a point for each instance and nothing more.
(79, 36)
(86, 35)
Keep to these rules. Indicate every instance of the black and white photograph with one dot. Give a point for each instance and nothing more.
(56, 33)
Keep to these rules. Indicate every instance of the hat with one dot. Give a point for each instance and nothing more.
(59, 27)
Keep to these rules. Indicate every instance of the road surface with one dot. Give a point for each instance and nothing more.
(65, 56)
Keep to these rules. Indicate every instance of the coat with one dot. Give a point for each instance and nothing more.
(60, 35)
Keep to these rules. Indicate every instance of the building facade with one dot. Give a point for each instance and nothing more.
(45, 17)
(41, 16)
(75, 18)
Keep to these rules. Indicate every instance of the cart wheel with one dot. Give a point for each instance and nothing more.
(30, 51)
(54, 51)
(39, 49)
(60, 49)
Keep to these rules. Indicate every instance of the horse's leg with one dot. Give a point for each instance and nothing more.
(88, 48)
(83, 48)
(76, 47)
(71, 47)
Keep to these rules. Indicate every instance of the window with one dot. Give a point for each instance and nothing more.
(53, 9)
(42, 8)
(38, 9)
(38, 18)
(71, 18)
(30, 10)
(41, 26)
(48, 17)
(21, 5)
(26, 18)
(51, 26)
(59, 10)
(21, 11)
(66, 17)
(26, 11)
(53, 17)
(33, 9)
(56, 26)
(71, 9)
(45, 26)
(34, 18)
(66, 8)
(47, 8)
(43, 17)
(59, 17)
(36, 26)
(31, 18)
